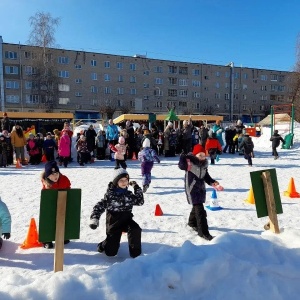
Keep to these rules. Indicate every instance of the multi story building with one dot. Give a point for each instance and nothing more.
(90, 82)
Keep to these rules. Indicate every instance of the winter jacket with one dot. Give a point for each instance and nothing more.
(100, 140)
(90, 135)
(196, 176)
(275, 139)
(49, 145)
(218, 130)
(5, 219)
(64, 146)
(213, 145)
(5, 124)
(187, 132)
(147, 155)
(120, 151)
(32, 147)
(118, 200)
(16, 140)
(63, 183)
(247, 145)
(112, 132)
(81, 146)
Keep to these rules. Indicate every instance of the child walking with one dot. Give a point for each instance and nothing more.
(118, 202)
(120, 153)
(276, 139)
(196, 175)
(5, 222)
(147, 156)
(248, 147)
(52, 179)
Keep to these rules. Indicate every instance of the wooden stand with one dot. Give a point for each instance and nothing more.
(60, 231)
(266, 177)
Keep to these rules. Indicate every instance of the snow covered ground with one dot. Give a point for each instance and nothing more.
(242, 262)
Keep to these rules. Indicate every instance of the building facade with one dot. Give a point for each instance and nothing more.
(90, 82)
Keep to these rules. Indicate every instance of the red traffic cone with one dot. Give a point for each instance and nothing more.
(291, 191)
(134, 156)
(158, 211)
(32, 239)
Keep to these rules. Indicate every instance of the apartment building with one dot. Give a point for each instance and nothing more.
(89, 82)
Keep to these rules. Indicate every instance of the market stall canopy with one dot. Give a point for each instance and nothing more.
(277, 119)
(38, 116)
(172, 116)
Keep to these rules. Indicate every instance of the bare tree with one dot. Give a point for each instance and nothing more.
(108, 107)
(45, 78)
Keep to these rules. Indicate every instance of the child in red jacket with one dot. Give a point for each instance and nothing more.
(213, 147)
(53, 179)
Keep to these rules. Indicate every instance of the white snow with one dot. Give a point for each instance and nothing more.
(243, 261)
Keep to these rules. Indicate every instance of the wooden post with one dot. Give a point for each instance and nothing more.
(268, 187)
(60, 231)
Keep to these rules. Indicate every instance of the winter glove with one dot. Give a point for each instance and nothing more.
(133, 183)
(6, 236)
(94, 223)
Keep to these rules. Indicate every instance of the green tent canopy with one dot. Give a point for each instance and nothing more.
(172, 116)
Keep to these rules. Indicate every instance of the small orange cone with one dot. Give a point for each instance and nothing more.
(158, 211)
(291, 191)
(250, 198)
(18, 165)
(134, 156)
(32, 239)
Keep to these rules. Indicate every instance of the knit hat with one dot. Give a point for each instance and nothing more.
(146, 143)
(50, 167)
(170, 124)
(197, 149)
(118, 174)
(121, 140)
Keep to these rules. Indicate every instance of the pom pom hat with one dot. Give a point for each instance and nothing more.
(50, 167)
(197, 149)
(118, 174)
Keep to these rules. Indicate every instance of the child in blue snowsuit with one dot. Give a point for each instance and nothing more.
(147, 156)
(5, 222)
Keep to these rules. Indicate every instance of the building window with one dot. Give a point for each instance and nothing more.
(94, 89)
(217, 85)
(217, 96)
(132, 79)
(78, 94)
(263, 97)
(93, 63)
(64, 60)
(11, 55)
(132, 91)
(245, 76)
(11, 70)
(120, 91)
(183, 93)
(158, 69)
(107, 90)
(158, 104)
(28, 85)
(172, 80)
(173, 69)
(206, 77)
(120, 78)
(183, 82)
(227, 74)
(244, 97)
(245, 86)
(78, 67)
(146, 97)
(63, 74)
(63, 101)
(146, 85)
(119, 65)
(182, 104)
(132, 67)
(12, 98)
(106, 64)
(183, 70)
(263, 77)
(12, 85)
(158, 81)
(78, 80)
(106, 77)
(236, 75)
(172, 93)
(132, 103)
(196, 95)
(263, 88)
(226, 85)
(157, 92)
(236, 86)
(146, 73)
(226, 96)
(64, 88)
(94, 76)
(218, 74)
(32, 99)
(196, 72)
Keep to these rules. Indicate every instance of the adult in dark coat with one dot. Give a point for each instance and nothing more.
(276, 139)
(130, 141)
(90, 135)
(5, 123)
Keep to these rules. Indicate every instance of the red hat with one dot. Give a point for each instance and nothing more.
(197, 149)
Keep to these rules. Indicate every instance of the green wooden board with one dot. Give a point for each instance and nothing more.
(259, 192)
(152, 118)
(47, 220)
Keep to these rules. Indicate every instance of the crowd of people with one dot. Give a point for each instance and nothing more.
(195, 145)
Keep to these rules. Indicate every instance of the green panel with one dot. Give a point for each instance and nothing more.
(259, 192)
(152, 118)
(47, 220)
(288, 141)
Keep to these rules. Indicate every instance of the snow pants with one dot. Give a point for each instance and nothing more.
(198, 219)
(116, 223)
(146, 167)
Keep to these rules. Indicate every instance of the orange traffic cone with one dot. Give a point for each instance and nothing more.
(32, 239)
(134, 156)
(158, 211)
(18, 164)
(291, 191)
(250, 198)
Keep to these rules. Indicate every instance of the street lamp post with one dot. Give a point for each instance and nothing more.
(231, 65)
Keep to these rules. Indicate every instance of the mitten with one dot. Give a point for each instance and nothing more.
(6, 236)
(94, 223)
(132, 183)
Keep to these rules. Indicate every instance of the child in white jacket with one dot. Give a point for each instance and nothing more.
(5, 222)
